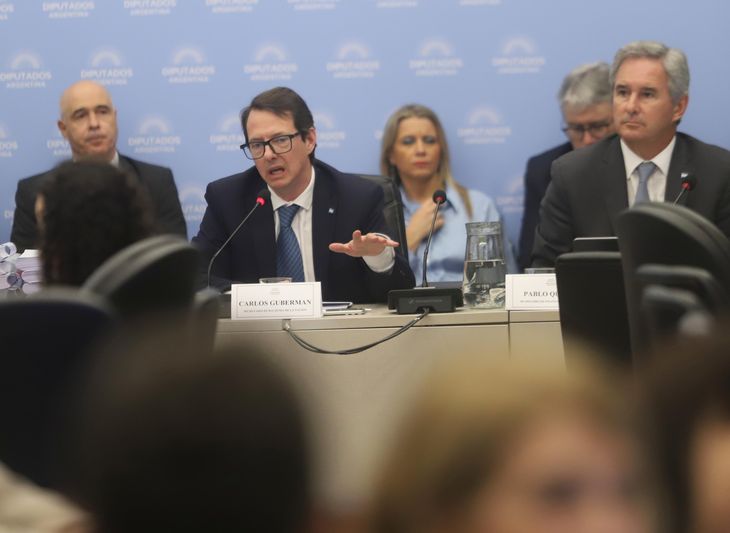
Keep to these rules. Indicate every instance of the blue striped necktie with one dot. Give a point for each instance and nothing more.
(288, 255)
(645, 170)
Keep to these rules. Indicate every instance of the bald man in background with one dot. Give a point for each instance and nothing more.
(89, 123)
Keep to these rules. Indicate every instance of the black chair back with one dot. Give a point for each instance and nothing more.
(393, 210)
(667, 234)
(666, 311)
(44, 346)
(698, 281)
(155, 275)
(593, 304)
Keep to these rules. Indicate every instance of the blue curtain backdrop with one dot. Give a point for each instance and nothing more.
(181, 70)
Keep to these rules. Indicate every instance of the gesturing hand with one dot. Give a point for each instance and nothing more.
(363, 245)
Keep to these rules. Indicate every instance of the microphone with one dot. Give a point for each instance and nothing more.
(261, 198)
(439, 197)
(689, 181)
(424, 298)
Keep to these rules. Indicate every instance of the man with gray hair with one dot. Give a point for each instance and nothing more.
(643, 162)
(585, 103)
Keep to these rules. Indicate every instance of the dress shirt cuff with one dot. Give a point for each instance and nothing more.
(383, 262)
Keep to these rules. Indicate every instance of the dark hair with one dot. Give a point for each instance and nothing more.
(91, 211)
(174, 439)
(282, 102)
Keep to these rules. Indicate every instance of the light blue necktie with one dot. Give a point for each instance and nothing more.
(645, 170)
(288, 255)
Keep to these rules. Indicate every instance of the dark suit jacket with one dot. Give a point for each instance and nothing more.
(342, 203)
(537, 179)
(157, 180)
(588, 191)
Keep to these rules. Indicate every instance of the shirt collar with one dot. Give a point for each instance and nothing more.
(661, 160)
(304, 200)
(115, 160)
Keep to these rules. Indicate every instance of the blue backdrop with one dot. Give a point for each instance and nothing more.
(181, 70)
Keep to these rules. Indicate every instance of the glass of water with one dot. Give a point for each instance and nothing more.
(484, 268)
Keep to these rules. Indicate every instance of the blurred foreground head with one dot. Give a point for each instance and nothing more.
(87, 211)
(191, 442)
(688, 399)
(516, 449)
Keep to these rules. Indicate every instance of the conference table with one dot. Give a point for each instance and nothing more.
(353, 402)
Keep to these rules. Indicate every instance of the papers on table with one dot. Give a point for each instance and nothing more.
(20, 270)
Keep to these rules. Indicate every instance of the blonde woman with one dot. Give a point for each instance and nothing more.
(414, 152)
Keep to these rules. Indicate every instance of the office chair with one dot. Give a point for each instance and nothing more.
(593, 304)
(155, 275)
(666, 234)
(44, 347)
(671, 312)
(393, 210)
(698, 281)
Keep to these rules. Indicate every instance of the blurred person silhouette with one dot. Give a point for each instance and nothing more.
(88, 211)
(515, 449)
(687, 395)
(414, 151)
(585, 105)
(175, 439)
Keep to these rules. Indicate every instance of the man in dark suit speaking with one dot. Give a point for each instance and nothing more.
(321, 225)
(89, 123)
(643, 162)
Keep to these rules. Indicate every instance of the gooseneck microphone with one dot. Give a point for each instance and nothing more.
(689, 181)
(263, 196)
(425, 299)
(439, 197)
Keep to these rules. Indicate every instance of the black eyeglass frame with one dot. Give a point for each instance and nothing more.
(246, 147)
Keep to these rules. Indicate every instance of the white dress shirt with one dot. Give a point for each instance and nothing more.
(657, 183)
(302, 227)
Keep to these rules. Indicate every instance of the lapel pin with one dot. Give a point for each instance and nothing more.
(331, 211)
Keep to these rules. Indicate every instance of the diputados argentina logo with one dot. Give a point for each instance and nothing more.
(67, 10)
(229, 136)
(436, 58)
(353, 61)
(328, 135)
(518, 56)
(6, 9)
(26, 72)
(193, 204)
(8, 145)
(154, 136)
(313, 5)
(149, 8)
(107, 68)
(484, 126)
(188, 66)
(220, 7)
(271, 63)
(57, 145)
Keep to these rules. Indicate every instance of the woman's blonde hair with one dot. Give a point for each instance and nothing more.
(390, 135)
(462, 426)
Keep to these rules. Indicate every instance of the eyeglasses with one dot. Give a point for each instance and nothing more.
(280, 144)
(596, 129)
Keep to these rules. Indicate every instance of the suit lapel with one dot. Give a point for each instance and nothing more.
(613, 181)
(678, 165)
(324, 219)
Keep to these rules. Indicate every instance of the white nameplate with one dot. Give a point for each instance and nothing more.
(531, 291)
(276, 300)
